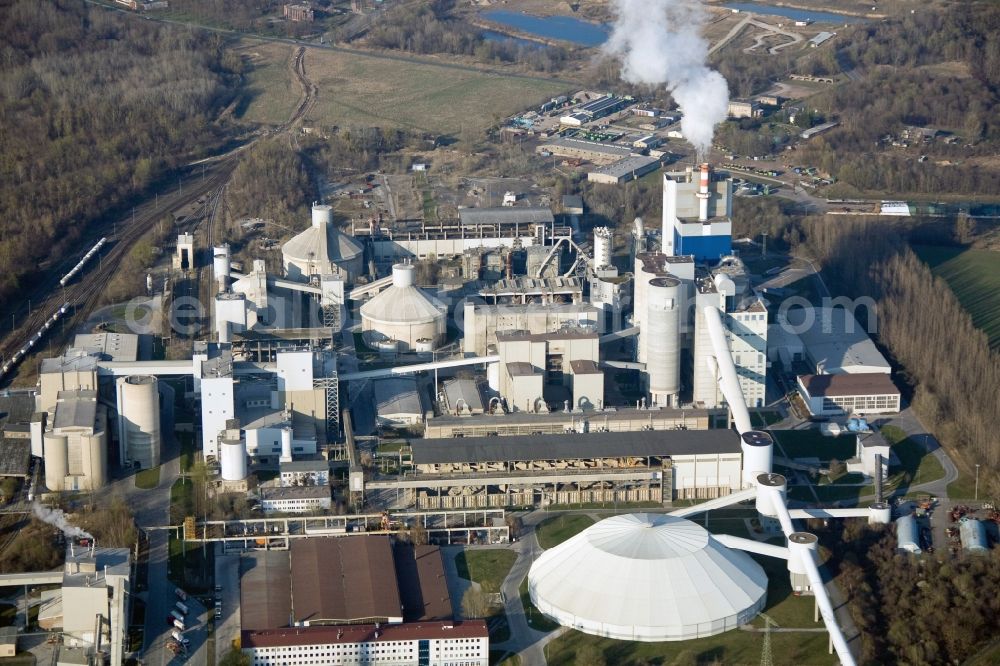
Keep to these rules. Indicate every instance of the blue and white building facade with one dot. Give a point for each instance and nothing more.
(697, 214)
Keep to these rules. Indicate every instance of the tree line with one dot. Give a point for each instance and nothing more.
(95, 108)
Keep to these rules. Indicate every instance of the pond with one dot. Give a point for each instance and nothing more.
(795, 13)
(564, 28)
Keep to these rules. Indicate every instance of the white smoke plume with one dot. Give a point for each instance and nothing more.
(57, 518)
(660, 43)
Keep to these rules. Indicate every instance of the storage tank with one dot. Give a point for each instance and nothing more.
(879, 513)
(801, 545)
(663, 344)
(286, 445)
(56, 460)
(220, 266)
(424, 345)
(94, 454)
(907, 538)
(322, 249)
(973, 535)
(758, 454)
(771, 490)
(233, 459)
(404, 313)
(139, 411)
(603, 245)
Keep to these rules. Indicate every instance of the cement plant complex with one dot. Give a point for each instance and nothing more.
(380, 437)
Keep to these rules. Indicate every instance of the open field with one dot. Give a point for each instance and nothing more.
(553, 531)
(486, 567)
(973, 276)
(368, 90)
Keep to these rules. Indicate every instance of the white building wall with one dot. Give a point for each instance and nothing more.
(218, 405)
(441, 652)
(703, 475)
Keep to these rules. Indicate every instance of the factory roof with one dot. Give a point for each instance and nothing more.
(322, 243)
(867, 383)
(293, 492)
(608, 149)
(72, 656)
(465, 391)
(506, 215)
(398, 395)
(835, 341)
(317, 464)
(572, 201)
(404, 304)
(554, 308)
(344, 580)
(112, 346)
(364, 633)
(423, 587)
(600, 105)
(72, 360)
(580, 367)
(265, 580)
(570, 333)
(625, 166)
(15, 457)
(522, 369)
(76, 409)
(576, 446)
(16, 409)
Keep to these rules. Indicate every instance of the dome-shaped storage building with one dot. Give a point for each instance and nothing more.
(647, 577)
(404, 313)
(322, 249)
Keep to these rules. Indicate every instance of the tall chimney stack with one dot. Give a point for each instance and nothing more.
(703, 193)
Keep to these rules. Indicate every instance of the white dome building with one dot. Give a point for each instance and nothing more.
(404, 313)
(323, 250)
(647, 577)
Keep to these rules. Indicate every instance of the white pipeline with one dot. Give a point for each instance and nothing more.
(419, 367)
(751, 546)
(718, 503)
(728, 380)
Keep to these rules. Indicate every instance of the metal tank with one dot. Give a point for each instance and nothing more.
(758, 454)
(233, 459)
(94, 458)
(286, 445)
(139, 412)
(663, 344)
(603, 244)
(56, 460)
(221, 259)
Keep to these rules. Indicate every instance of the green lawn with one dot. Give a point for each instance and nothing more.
(148, 478)
(813, 444)
(916, 466)
(964, 487)
(486, 567)
(974, 277)
(536, 619)
(187, 451)
(553, 531)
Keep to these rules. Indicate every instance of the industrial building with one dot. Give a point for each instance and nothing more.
(76, 446)
(539, 470)
(403, 317)
(845, 394)
(647, 577)
(482, 322)
(322, 249)
(624, 170)
(832, 339)
(741, 108)
(388, 604)
(295, 499)
(299, 13)
(697, 214)
(399, 401)
(592, 151)
(139, 439)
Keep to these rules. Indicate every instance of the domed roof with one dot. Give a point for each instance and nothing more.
(322, 241)
(403, 303)
(647, 577)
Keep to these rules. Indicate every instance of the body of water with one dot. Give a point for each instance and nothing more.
(563, 28)
(794, 13)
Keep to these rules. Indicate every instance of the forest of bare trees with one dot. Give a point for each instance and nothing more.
(914, 610)
(95, 107)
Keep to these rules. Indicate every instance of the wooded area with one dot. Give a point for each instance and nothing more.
(914, 610)
(94, 108)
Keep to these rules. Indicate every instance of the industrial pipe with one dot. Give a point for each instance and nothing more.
(728, 380)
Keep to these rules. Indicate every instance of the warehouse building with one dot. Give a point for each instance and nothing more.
(539, 470)
(833, 341)
(856, 393)
(400, 401)
(76, 447)
(624, 170)
(388, 604)
(295, 499)
(482, 322)
(592, 151)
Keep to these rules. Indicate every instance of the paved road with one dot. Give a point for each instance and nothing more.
(227, 576)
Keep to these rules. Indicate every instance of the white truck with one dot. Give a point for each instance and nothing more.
(182, 607)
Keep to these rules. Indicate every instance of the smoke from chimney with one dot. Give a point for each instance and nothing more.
(660, 43)
(57, 518)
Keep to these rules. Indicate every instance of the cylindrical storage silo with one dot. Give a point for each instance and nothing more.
(758, 455)
(424, 345)
(603, 242)
(801, 545)
(233, 459)
(286, 445)
(663, 345)
(771, 489)
(879, 513)
(94, 459)
(140, 415)
(322, 215)
(56, 460)
(220, 265)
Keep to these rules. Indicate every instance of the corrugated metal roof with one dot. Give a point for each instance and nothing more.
(76, 409)
(398, 395)
(344, 580)
(506, 215)
(574, 447)
(465, 391)
(422, 584)
(869, 383)
(265, 581)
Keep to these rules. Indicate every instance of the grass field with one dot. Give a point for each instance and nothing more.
(486, 567)
(148, 478)
(916, 465)
(536, 620)
(974, 277)
(553, 531)
(366, 90)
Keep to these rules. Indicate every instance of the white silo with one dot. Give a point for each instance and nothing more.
(758, 454)
(286, 445)
(139, 420)
(879, 513)
(403, 313)
(663, 343)
(56, 460)
(771, 491)
(322, 250)
(801, 546)
(233, 459)
(603, 243)
(221, 260)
